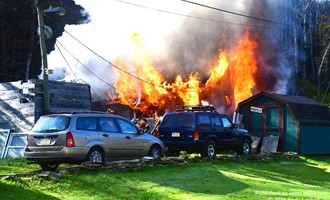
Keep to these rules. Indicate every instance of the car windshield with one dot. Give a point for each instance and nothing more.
(177, 121)
(51, 124)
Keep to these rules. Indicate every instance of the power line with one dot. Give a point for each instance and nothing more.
(190, 16)
(67, 63)
(115, 66)
(230, 12)
(111, 65)
(87, 67)
(104, 108)
(75, 73)
(121, 70)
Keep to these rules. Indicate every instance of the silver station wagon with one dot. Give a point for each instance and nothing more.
(87, 136)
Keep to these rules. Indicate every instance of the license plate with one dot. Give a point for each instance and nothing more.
(175, 134)
(44, 141)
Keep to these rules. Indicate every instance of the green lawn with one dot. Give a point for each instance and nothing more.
(284, 178)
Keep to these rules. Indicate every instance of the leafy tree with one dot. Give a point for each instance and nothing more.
(323, 37)
(19, 43)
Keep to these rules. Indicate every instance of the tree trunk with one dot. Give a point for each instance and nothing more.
(320, 70)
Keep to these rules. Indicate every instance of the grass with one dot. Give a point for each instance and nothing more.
(302, 178)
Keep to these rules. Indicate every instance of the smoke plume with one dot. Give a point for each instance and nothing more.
(181, 45)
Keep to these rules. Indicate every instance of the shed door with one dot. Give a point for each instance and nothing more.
(256, 124)
(267, 121)
(271, 123)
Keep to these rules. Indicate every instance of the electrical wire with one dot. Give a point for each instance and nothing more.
(98, 96)
(104, 108)
(66, 61)
(113, 65)
(230, 12)
(110, 63)
(194, 17)
(120, 69)
(88, 68)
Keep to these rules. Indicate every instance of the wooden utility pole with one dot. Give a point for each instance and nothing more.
(44, 63)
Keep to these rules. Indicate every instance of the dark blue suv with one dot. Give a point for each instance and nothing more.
(200, 129)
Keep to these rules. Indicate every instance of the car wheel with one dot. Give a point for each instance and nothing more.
(245, 148)
(49, 167)
(155, 151)
(210, 149)
(95, 155)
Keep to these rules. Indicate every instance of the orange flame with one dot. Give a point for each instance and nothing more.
(219, 69)
(146, 86)
(188, 91)
(231, 80)
(245, 69)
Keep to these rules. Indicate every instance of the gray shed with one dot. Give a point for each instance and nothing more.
(302, 124)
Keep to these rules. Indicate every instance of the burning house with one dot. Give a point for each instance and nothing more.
(231, 80)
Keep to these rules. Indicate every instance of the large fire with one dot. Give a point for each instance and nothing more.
(231, 80)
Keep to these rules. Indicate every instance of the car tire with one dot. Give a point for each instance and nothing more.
(244, 148)
(95, 155)
(209, 150)
(49, 167)
(155, 152)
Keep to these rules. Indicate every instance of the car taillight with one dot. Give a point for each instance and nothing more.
(69, 140)
(196, 135)
(157, 133)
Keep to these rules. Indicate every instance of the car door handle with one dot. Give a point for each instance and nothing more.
(105, 135)
(128, 137)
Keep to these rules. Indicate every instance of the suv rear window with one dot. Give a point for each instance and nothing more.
(178, 120)
(51, 124)
(204, 120)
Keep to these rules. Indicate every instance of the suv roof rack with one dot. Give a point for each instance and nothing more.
(87, 111)
(79, 112)
(195, 108)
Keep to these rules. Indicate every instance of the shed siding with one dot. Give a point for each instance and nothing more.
(256, 120)
(315, 139)
(272, 118)
(244, 111)
(290, 132)
(264, 99)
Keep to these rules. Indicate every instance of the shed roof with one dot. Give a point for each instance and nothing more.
(304, 109)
